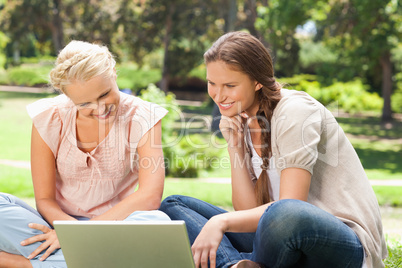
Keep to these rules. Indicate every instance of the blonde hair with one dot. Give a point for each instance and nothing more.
(81, 61)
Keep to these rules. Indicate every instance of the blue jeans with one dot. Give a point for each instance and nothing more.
(15, 215)
(290, 233)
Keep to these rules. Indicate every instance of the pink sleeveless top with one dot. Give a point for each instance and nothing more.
(89, 184)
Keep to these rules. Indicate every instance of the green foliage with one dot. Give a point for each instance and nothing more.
(396, 100)
(3, 42)
(130, 76)
(194, 154)
(28, 75)
(351, 96)
(312, 54)
(3, 77)
(291, 82)
(199, 72)
(185, 155)
(168, 101)
(363, 34)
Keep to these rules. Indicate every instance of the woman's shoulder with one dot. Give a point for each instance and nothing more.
(49, 105)
(297, 103)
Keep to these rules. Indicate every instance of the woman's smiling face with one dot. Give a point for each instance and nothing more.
(97, 98)
(233, 91)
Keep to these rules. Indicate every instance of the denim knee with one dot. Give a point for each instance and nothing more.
(285, 218)
(169, 201)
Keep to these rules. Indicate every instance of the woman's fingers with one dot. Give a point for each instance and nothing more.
(39, 249)
(232, 129)
(204, 258)
(50, 242)
(212, 258)
(49, 251)
(34, 239)
(39, 227)
(234, 123)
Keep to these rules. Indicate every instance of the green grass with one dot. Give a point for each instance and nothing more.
(214, 193)
(15, 127)
(394, 259)
(369, 126)
(381, 156)
(16, 181)
(389, 195)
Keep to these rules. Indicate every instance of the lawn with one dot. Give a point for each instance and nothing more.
(379, 150)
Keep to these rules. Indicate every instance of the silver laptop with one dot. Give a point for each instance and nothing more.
(124, 244)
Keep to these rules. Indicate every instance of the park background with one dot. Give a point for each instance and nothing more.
(345, 53)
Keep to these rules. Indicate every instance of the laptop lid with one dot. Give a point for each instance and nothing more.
(115, 244)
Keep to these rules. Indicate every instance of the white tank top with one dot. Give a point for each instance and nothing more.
(273, 174)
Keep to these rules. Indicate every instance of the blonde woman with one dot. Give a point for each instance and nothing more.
(312, 204)
(91, 147)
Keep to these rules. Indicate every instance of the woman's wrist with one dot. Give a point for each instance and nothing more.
(221, 221)
(236, 150)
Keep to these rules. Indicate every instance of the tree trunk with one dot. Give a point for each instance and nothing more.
(250, 7)
(57, 27)
(230, 16)
(164, 84)
(16, 53)
(386, 66)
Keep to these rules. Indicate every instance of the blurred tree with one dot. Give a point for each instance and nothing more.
(364, 33)
(91, 21)
(277, 22)
(229, 14)
(20, 18)
(181, 28)
(3, 42)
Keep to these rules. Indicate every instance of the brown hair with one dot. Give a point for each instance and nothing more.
(247, 54)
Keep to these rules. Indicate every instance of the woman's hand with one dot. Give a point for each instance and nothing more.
(49, 238)
(232, 129)
(207, 242)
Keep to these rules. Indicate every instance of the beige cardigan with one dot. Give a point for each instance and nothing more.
(306, 135)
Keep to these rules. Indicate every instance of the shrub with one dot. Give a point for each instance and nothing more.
(350, 96)
(3, 77)
(153, 94)
(3, 43)
(396, 99)
(28, 75)
(194, 153)
(129, 76)
(297, 79)
(185, 155)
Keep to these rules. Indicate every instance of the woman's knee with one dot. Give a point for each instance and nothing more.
(5, 198)
(286, 217)
(170, 201)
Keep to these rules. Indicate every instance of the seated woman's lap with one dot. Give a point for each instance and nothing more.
(293, 232)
